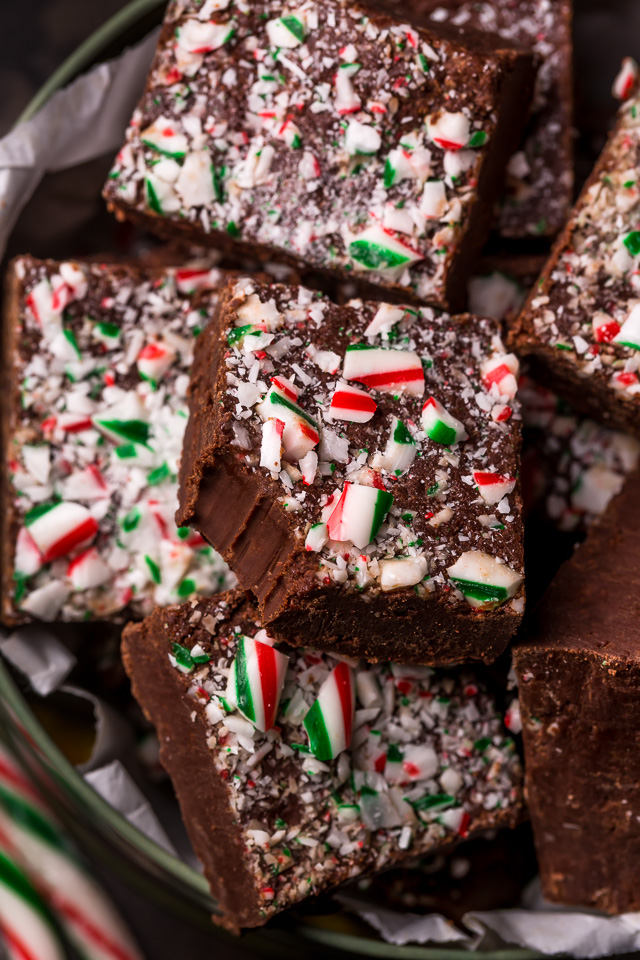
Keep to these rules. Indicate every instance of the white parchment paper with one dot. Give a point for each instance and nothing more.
(85, 122)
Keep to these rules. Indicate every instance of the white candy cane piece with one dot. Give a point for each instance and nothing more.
(500, 375)
(286, 388)
(329, 721)
(189, 280)
(440, 425)
(256, 680)
(605, 328)
(58, 528)
(87, 484)
(378, 249)
(27, 559)
(626, 80)
(308, 467)
(309, 168)
(300, 430)
(45, 602)
(392, 371)
(163, 137)
(406, 164)
(387, 316)
(482, 580)
(290, 133)
(154, 360)
(493, 486)
(88, 570)
(494, 296)
(629, 335)
(346, 99)
(287, 31)
(361, 139)
(194, 184)
(160, 196)
(449, 130)
(359, 514)
(350, 403)
(197, 37)
(595, 489)
(433, 202)
(402, 572)
(271, 446)
(317, 537)
(400, 451)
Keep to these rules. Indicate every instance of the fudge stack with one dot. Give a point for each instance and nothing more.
(354, 460)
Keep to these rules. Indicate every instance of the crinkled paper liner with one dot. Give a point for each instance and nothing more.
(85, 122)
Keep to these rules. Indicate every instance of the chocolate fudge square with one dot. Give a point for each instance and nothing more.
(581, 325)
(578, 675)
(357, 467)
(297, 770)
(326, 135)
(539, 188)
(96, 371)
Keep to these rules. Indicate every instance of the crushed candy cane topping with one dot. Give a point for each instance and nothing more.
(421, 758)
(103, 368)
(367, 476)
(257, 125)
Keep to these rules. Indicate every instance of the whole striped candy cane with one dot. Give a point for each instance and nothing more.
(329, 721)
(256, 680)
(30, 835)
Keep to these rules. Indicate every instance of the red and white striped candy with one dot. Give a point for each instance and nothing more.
(350, 403)
(300, 433)
(290, 133)
(346, 99)
(88, 570)
(493, 486)
(387, 316)
(256, 681)
(317, 537)
(285, 387)
(308, 467)
(359, 514)
(27, 559)
(605, 328)
(271, 446)
(61, 528)
(163, 137)
(189, 280)
(629, 334)
(329, 722)
(74, 422)
(449, 130)
(440, 425)
(87, 484)
(392, 371)
(154, 360)
(627, 79)
(500, 375)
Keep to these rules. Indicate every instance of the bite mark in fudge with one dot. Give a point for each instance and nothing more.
(581, 324)
(539, 189)
(96, 366)
(357, 467)
(330, 136)
(427, 759)
(578, 675)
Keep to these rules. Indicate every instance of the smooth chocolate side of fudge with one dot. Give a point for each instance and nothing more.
(387, 523)
(335, 138)
(414, 761)
(578, 675)
(96, 362)
(581, 323)
(539, 186)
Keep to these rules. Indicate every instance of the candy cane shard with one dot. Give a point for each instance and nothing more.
(392, 371)
(154, 360)
(482, 580)
(288, 31)
(350, 403)
(271, 446)
(493, 486)
(57, 528)
(400, 451)
(440, 425)
(379, 249)
(500, 375)
(317, 537)
(449, 130)
(329, 721)
(256, 680)
(387, 316)
(402, 572)
(626, 80)
(605, 328)
(162, 137)
(361, 139)
(300, 434)
(359, 514)
(629, 334)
